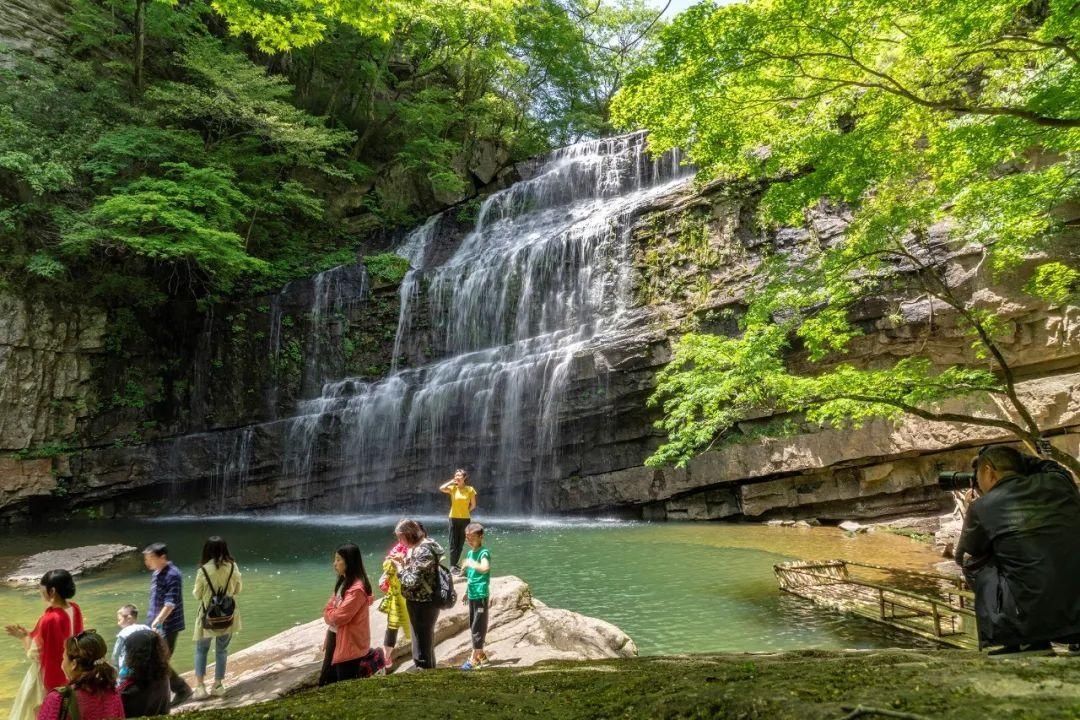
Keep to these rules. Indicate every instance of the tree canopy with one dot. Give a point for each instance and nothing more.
(202, 147)
(962, 115)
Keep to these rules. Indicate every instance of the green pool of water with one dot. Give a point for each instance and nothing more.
(673, 587)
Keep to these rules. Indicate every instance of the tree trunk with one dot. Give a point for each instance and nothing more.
(140, 44)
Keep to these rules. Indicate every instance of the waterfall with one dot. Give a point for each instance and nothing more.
(229, 476)
(543, 277)
(414, 249)
(333, 292)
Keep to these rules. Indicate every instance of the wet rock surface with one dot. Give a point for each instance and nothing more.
(77, 561)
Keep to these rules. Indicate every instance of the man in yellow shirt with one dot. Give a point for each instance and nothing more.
(462, 503)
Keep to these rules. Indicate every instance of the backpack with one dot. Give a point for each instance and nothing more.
(219, 612)
(443, 592)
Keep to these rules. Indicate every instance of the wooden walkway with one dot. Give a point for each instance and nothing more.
(931, 606)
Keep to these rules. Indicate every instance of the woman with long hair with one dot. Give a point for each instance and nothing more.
(347, 648)
(418, 570)
(91, 690)
(44, 644)
(145, 688)
(217, 583)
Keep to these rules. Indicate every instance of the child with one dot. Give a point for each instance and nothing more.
(393, 602)
(478, 572)
(127, 618)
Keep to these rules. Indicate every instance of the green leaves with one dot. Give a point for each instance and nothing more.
(711, 384)
(232, 99)
(1055, 282)
(187, 217)
(134, 148)
(287, 24)
(938, 124)
(389, 268)
(166, 157)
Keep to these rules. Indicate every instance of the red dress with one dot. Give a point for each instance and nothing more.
(102, 705)
(51, 632)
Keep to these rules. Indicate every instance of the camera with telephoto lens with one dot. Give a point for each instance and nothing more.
(952, 480)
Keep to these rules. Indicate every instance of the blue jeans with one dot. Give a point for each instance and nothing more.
(221, 652)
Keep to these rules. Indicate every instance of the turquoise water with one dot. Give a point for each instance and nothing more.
(673, 587)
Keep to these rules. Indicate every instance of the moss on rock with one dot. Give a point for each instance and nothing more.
(805, 685)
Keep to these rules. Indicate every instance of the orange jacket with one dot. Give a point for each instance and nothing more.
(350, 617)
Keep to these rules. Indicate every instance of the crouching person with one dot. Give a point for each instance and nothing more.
(1020, 551)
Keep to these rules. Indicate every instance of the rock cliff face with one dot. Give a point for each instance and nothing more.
(35, 27)
(225, 442)
(696, 257)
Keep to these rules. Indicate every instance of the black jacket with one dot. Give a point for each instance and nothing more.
(1024, 541)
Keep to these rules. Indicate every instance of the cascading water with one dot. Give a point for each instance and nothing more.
(544, 276)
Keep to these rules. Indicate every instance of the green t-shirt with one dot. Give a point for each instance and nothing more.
(478, 581)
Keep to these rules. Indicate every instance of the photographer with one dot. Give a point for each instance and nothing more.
(1020, 551)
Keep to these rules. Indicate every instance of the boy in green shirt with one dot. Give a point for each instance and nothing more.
(478, 572)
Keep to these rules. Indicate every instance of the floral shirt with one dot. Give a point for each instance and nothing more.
(420, 571)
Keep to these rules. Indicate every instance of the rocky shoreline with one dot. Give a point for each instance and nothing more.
(522, 631)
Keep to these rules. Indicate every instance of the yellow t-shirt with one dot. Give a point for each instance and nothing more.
(460, 495)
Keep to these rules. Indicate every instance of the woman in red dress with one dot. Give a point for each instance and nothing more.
(61, 620)
(91, 693)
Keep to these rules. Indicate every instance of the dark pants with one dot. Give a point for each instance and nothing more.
(176, 683)
(423, 615)
(354, 669)
(457, 538)
(478, 622)
(327, 674)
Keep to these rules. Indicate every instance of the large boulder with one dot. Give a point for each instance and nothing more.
(77, 561)
(522, 631)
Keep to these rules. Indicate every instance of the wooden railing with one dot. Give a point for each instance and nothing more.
(947, 619)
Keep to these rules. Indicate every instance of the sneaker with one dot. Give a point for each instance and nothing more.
(467, 665)
(455, 570)
(199, 694)
(218, 690)
(483, 663)
(1043, 648)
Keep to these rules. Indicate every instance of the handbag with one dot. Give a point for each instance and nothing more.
(218, 614)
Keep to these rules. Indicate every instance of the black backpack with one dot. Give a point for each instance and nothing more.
(219, 612)
(443, 592)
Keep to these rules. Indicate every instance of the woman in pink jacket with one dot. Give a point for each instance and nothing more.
(347, 649)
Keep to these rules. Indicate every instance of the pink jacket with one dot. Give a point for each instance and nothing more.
(350, 617)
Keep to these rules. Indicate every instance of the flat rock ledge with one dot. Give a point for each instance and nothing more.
(77, 561)
(522, 631)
